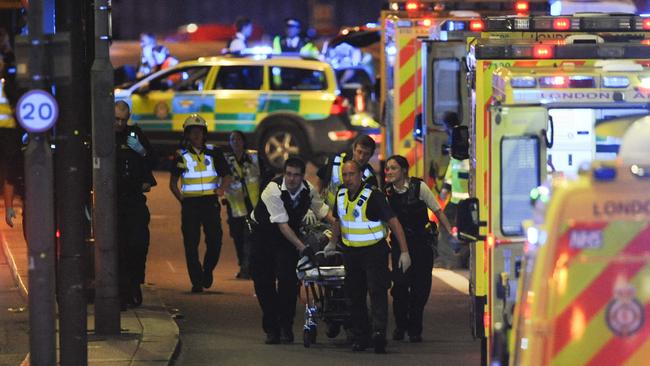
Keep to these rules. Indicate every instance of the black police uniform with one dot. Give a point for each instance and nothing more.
(273, 258)
(411, 289)
(367, 272)
(324, 173)
(133, 170)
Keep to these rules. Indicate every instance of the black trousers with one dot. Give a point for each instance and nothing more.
(411, 289)
(239, 233)
(273, 268)
(367, 272)
(197, 212)
(133, 242)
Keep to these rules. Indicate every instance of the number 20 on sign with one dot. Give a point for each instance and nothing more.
(37, 111)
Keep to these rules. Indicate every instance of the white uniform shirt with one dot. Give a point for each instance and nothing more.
(425, 195)
(238, 43)
(271, 196)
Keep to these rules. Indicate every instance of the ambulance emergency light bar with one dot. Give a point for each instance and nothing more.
(513, 6)
(584, 23)
(491, 51)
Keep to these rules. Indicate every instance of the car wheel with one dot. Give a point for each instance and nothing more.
(279, 143)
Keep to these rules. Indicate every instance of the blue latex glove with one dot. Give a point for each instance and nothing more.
(135, 145)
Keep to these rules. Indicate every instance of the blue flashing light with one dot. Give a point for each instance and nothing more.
(451, 26)
(372, 25)
(604, 174)
(391, 50)
(258, 51)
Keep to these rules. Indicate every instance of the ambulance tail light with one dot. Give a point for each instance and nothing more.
(344, 135)
(543, 51)
(616, 81)
(553, 82)
(645, 24)
(340, 106)
(561, 24)
(476, 25)
(523, 82)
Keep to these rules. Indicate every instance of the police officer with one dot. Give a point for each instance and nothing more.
(293, 42)
(134, 157)
(331, 174)
(242, 196)
(410, 198)
(199, 167)
(364, 213)
(456, 181)
(276, 247)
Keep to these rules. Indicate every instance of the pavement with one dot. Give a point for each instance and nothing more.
(149, 334)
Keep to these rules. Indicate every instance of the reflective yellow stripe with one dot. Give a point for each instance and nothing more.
(200, 177)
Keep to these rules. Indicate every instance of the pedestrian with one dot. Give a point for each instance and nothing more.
(410, 199)
(242, 197)
(203, 173)
(162, 58)
(364, 215)
(147, 63)
(134, 161)
(276, 247)
(456, 181)
(237, 44)
(293, 41)
(331, 174)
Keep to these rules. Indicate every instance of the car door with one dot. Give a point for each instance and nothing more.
(237, 89)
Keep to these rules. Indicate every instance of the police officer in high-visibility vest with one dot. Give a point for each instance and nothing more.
(411, 199)
(364, 218)
(242, 196)
(331, 174)
(203, 173)
(276, 247)
(292, 41)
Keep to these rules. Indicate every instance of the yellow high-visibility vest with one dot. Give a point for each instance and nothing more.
(249, 172)
(356, 229)
(200, 177)
(337, 179)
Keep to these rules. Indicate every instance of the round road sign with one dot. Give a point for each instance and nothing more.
(37, 111)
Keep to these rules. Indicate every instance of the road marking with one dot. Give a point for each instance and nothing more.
(455, 280)
(169, 264)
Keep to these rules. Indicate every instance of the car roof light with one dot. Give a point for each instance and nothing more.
(476, 25)
(543, 51)
(553, 81)
(523, 82)
(426, 22)
(522, 7)
(258, 51)
(580, 82)
(616, 81)
(561, 23)
(412, 5)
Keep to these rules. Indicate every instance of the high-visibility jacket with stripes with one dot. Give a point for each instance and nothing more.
(244, 191)
(200, 177)
(457, 178)
(336, 181)
(356, 229)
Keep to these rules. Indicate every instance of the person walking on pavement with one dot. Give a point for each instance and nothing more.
(148, 62)
(363, 214)
(199, 167)
(331, 174)
(276, 247)
(410, 199)
(292, 41)
(135, 158)
(242, 197)
(244, 28)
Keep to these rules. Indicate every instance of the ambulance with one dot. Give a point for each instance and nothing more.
(584, 297)
(547, 95)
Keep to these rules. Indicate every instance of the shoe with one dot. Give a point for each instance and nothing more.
(379, 342)
(272, 338)
(136, 295)
(398, 334)
(415, 338)
(197, 289)
(207, 279)
(286, 336)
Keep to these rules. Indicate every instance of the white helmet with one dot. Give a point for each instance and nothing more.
(635, 145)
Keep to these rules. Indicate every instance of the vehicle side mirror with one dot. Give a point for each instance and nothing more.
(468, 220)
(460, 143)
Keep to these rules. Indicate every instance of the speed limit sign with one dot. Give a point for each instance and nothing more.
(37, 111)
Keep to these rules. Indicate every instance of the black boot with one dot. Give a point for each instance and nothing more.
(379, 342)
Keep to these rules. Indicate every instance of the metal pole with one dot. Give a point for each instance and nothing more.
(107, 300)
(72, 161)
(39, 208)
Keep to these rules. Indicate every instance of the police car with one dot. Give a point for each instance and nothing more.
(286, 105)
